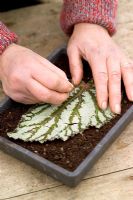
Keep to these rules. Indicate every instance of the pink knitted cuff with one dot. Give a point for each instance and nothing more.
(101, 12)
(6, 37)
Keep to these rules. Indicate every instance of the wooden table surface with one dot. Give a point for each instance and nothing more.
(112, 176)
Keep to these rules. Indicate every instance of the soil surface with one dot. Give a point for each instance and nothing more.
(68, 154)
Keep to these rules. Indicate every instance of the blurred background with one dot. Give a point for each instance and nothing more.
(6, 5)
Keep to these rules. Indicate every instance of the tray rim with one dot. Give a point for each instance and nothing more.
(72, 178)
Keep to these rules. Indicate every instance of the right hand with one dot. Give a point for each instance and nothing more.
(29, 78)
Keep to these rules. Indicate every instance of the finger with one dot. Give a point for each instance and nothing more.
(51, 80)
(75, 63)
(43, 94)
(127, 75)
(22, 98)
(52, 67)
(26, 101)
(114, 72)
(99, 71)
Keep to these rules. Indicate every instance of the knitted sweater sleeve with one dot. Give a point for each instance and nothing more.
(101, 12)
(6, 37)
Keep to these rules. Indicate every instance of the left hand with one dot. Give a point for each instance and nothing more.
(108, 64)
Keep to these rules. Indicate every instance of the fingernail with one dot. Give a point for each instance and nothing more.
(104, 105)
(117, 109)
(71, 86)
(74, 81)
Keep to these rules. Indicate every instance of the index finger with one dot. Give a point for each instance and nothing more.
(50, 79)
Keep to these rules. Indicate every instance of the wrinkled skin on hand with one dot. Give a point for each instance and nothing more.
(108, 64)
(29, 78)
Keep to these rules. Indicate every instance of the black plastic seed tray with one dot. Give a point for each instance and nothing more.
(67, 177)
